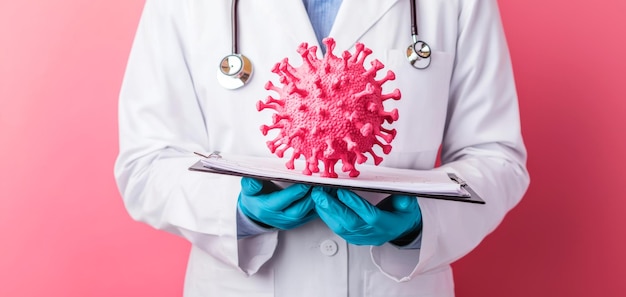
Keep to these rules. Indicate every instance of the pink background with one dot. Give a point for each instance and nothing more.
(64, 231)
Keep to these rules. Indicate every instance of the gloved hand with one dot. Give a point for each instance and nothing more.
(359, 222)
(271, 206)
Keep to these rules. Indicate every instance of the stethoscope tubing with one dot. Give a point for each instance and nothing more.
(419, 58)
(414, 29)
(234, 18)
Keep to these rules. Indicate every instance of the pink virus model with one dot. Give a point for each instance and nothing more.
(330, 110)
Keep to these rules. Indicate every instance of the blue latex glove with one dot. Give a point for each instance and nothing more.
(273, 207)
(397, 218)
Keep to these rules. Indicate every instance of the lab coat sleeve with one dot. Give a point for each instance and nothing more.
(482, 143)
(160, 126)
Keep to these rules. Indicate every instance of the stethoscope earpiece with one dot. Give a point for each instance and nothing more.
(419, 54)
(235, 70)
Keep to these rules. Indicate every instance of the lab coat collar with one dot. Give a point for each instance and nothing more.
(354, 19)
(294, 19)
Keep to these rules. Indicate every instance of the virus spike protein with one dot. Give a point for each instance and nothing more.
(330, 110)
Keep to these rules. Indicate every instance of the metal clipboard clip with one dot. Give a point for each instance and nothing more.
(213, 155)
(457, 179)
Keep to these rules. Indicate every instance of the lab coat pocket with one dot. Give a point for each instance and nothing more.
(229, 282)
(434, 284)
(423, 105)
(207, 276)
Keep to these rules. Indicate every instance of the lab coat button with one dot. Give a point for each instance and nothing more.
(328, 247)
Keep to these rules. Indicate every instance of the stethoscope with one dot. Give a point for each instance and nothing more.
(235, 70)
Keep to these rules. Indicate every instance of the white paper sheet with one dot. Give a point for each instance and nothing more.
(371, 177)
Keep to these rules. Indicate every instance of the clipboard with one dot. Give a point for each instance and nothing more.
(213, 164)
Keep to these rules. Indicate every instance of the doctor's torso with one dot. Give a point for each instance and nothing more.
(270, 31)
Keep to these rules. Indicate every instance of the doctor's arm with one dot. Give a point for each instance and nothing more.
(482, 143)
(160, 126)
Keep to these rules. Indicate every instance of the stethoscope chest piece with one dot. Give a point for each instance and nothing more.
(419, 54)
(234, 72)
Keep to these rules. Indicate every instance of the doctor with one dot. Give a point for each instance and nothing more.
(463, 105)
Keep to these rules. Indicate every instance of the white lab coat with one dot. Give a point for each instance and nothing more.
(172, 105)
